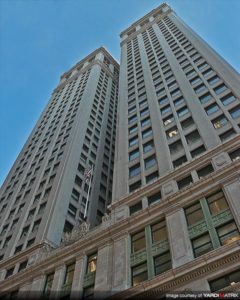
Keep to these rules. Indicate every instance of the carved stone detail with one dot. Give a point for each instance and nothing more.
(78, 232)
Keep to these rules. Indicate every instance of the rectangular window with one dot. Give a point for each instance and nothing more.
(154, 198)
(184, 182)
(205, 98)
(134, 170)
(48, 283)
(235, 112)
(166, 110)
(135, 208)
(205, 171)
(150, 161)
(133, 141)
(211, 109)
(198, 151)
(68, 279)
(202, 245)
(227, 135)
(138, 241)
(200, 88)
(139, 274)
(159, 232)
(228, 99)
(194, 214)
(220, 89)
(183, 111)
(219, 122)
(178, 162)
(162, 263)
(146, 133)
(192, 137)
(145, 122)
(134, 154)
(228, 233)
(213, 80)
(148, 146)
(91, 263)
(172, 132)
(168, 120)
(217, 202)
(225, 281)
(133, 129)
(135, 186)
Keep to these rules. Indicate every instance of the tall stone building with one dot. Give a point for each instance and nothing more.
(174, 221)
(45, 193)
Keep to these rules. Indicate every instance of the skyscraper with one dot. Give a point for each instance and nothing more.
(46, 193)
(174, 219)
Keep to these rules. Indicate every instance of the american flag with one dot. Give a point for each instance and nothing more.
(88, 173)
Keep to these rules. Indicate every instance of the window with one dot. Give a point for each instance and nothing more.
(192, 137)
(184, 182)
(205, 171)
(134, 154)
(235, 112)
(224, 281)
(179, 101)
(48, 283)
(200, 88)
(211, 109)
(166, 110)
(205, 98)
(228, 233)
(219, 122)
(162, 263)
(139, 274)
(133, 129)
(213, 80)
(146, 133)
(168, 120)
(234, 155)
(172, 132)
(217, 202)
(178, 162)
(132, 119)
(22, 265)
(194, 214)
(36, 225)
(187, 123)
(135, 186)
(220, 89)
(148, 146)
(133, 141)
(227, 135)
(150, 161)
(135, 208)
(145, 122)
(91, 263)
(144, 112)
(88, 292)
(163, 100)
(228, 99)
(134, 171)
(202, 245)
(198, 151)
(154, 198)
(9, 272)
(68, 279)
(138, 241)
(152, 177)
(159, 232)
(183, 111)
(72, 210)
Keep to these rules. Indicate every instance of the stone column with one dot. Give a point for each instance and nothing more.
(232, 191)
(103, 279)
(57, 282)
(76, 292)
(179, 241)
(37, 286)
(121, 265)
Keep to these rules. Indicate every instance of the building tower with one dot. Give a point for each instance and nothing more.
(45, 192)
(174, 219)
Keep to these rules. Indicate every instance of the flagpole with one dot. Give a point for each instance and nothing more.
(88, 193)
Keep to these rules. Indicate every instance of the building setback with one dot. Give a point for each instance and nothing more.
(174, 220)
(45, 193)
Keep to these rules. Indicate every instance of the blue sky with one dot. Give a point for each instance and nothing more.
(41, 39)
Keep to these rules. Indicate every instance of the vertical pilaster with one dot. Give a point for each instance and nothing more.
(77, 284)
(37, 286)
(57, 282)
(179, 241)
(103, 279)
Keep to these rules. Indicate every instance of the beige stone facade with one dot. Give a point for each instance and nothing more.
(174, 221)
